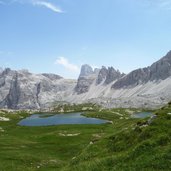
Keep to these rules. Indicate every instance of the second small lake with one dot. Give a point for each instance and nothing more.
(142, 115)
(59, 119)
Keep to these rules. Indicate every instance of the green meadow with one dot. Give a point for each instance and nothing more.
(125, 143)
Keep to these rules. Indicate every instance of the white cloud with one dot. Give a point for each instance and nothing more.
(48, 5)
(66, 64)
(38, 3)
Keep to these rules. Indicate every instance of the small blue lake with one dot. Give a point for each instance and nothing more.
(142, 115)
(59, 119)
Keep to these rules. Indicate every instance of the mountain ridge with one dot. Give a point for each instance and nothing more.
(144, 87)
(158, 70)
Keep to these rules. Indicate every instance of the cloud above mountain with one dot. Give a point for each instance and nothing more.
(66, 64)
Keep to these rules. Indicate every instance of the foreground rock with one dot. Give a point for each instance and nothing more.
(4, 119)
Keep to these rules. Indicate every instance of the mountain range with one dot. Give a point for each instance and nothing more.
(148, 87)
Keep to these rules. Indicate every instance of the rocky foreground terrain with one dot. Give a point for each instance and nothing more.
(148, 87)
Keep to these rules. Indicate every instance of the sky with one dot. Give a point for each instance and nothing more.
(58, 36)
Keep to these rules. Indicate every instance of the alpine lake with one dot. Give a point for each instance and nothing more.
(68, 119)
(59, 119)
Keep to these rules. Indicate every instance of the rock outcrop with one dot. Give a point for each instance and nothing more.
(102, 75)
(24, 90)
(160, 70)
(86, 70)
(88, 76)
(147, 87)
(108, 75)
(85, 80)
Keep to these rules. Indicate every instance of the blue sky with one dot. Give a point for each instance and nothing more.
(58, 36)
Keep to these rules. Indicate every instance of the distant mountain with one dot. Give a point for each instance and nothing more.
(85, 80)
(24, 90)
(108, 75)
(160, 70)
(88, 76)
(86, 70)
(148, 87)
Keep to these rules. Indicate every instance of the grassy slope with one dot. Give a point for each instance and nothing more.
(28, 148)
(130, 148)
(118, 146)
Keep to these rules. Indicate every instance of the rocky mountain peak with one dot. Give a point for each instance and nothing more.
(85, 80)
(102, 74)
(6, 71)
(112, 75)
(88, 77)
(108, 75)
(159, 70)
(149, 86)
(96, 71)
(86, 70)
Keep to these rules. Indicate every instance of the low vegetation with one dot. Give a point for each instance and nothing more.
(124, 144)
(66, 107)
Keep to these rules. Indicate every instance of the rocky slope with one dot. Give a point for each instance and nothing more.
(148, 87)
(160, 70)
(85, 80)
(24, 90)
(101, 76)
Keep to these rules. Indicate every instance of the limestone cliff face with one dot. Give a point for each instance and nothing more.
(24, 90)
(160, 70)
(108, 75)
(102, 75)
(85, 80)
(12, 98)
(88, 76)
(146, 87)
(86, 70)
